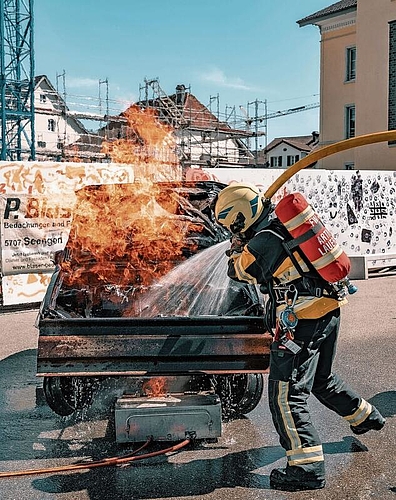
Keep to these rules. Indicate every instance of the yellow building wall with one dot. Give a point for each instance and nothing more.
(335, 92)
(369, 92)
(373, 81)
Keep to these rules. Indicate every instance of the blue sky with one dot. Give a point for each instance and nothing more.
(238, 51)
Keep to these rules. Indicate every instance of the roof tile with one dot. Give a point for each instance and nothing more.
(332, 10)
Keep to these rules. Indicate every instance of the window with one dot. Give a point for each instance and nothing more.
(43, 98)
(350, 64)
(349, 166)
(41, 144)
(292, 159)
(51, 125)
(349, 121)
(276, 161)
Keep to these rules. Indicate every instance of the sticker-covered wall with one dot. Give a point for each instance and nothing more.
(358, 207)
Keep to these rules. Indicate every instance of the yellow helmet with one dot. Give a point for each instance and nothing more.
(238, 206)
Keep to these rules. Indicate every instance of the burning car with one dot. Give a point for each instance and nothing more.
(140, 292)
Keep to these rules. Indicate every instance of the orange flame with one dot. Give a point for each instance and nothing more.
(155, 387)
(130, 234)
(125, 234)
(148, 144)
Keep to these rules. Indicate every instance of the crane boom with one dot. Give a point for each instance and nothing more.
(289, 111)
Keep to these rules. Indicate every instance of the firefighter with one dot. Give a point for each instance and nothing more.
(304, 315)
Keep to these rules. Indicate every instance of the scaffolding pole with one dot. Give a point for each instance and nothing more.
(106, 83)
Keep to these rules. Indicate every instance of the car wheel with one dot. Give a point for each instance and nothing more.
(65, 395)
(239, 393)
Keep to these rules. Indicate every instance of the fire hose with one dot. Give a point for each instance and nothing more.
(360, 140)
(99, 463)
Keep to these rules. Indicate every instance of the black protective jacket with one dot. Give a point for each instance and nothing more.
(265, 261)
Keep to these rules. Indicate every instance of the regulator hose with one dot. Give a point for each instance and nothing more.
(100, 463)
(360, 140)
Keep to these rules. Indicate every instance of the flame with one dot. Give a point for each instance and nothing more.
(125, 234)
(155, 387)
(130, 234)
(149, 145)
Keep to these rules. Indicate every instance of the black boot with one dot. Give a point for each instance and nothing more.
(375, 421)
(294, 478)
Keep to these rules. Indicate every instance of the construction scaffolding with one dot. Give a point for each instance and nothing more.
(68, 125)
(204, 136)
(73, 127)
(206, 128)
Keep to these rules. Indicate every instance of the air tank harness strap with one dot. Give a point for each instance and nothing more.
(312, 282)
(295, 242)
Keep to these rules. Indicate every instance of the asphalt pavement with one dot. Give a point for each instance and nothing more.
(238, 465)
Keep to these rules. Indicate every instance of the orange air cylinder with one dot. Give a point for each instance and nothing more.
(321, 249)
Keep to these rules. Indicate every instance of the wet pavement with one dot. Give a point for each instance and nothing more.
(238, 465)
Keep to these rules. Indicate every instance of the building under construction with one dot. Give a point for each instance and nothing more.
(202, 137)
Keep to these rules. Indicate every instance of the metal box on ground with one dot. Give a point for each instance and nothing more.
(167, 418)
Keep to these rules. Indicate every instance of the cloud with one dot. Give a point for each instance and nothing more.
(76, 82)
(217, 76)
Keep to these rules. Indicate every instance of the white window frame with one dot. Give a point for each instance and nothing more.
(292, 159)
(350, 121)
(350, 64)
(276, 161)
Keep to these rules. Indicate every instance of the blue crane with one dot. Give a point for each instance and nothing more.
(17, 80)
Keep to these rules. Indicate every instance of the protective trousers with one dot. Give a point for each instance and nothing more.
(293, 377)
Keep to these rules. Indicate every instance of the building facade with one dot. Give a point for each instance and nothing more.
(283, 152)
(357, 79)
(55, 129)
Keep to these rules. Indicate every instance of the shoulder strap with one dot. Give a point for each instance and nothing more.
(294, 242)
(311, 279)
(288, 243)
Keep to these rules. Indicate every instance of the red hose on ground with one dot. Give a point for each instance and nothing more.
(100, 463)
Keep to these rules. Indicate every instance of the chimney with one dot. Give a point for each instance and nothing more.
(315, 137)
(180, 94)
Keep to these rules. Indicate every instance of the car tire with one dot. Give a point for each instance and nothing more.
(65, 395)
(239, 394)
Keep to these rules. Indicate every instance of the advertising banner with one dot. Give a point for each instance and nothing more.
(32, 229)
(24, 288)
(36, 202)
